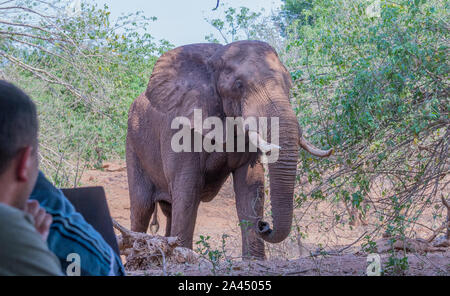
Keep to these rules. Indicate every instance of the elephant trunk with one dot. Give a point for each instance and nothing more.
(282, 173)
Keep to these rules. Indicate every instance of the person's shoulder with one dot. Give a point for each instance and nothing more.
(15, 223)
(10, 215)
(23, 251)
(8, 210)
(17, 229)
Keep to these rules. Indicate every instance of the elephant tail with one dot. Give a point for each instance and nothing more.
(154, 225)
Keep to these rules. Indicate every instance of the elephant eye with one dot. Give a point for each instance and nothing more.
(238, 85)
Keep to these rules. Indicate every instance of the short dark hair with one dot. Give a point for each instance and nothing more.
(18, 122)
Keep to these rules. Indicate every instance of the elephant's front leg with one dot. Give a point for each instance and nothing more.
(249, 188)
(185, 202)
(183, 171)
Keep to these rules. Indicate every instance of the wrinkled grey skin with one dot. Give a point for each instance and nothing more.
(243, 78)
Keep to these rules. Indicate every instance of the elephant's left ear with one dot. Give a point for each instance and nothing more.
(182, 81)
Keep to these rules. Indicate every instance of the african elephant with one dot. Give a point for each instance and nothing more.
(241, 79)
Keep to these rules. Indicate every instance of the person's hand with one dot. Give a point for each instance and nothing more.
(42, 220)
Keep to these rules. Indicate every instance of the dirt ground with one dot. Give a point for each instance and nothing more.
(292, 257)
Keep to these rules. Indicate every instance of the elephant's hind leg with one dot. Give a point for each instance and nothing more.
(167, 210)
(141, 190)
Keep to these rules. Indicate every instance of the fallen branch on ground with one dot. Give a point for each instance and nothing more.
(144, 251)
(417, 245)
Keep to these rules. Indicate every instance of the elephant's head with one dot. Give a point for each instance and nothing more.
(251, 81)
(242, 79)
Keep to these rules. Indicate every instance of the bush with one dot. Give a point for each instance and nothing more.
(83, 71)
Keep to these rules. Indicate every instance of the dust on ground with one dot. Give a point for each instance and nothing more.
(292, 257)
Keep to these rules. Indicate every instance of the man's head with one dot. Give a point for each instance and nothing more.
(18, 145)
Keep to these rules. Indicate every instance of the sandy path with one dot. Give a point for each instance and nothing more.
(219, 217)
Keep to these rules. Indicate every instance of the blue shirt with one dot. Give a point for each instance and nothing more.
(70, 233)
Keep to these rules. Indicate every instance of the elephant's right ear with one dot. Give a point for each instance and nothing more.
(183, 81)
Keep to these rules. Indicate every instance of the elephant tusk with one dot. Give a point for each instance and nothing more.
(259, 142)
(312, 149)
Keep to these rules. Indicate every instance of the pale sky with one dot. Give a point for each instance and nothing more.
(182, 22)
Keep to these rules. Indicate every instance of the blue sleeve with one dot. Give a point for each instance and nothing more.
(70, 233)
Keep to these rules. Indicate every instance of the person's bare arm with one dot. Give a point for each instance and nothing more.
(42, 220)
